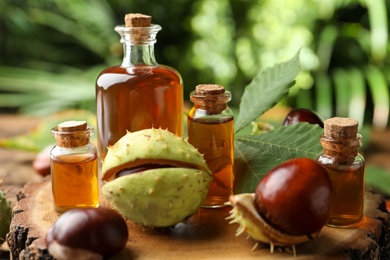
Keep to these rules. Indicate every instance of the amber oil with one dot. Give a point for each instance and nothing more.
(347, 205)
(211, 131)
(346, 168)
(135, 99)
(75, 181)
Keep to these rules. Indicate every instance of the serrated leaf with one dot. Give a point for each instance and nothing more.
(265, 90)
(255, 155)
(250, 166)
(287, 142)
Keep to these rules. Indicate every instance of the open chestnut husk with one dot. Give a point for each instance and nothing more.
(290, 205)
(87, 233)
(155, 178)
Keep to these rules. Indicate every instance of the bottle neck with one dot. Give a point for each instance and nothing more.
(72, 139)
(213, 104)
(342, 151)
(138, 55)
(138, 44)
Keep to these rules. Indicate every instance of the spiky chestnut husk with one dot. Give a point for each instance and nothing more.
(250, 221)
(157, 197)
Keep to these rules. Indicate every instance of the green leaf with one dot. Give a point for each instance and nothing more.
(326, 42)
(40, 137)
(250, 167)
(377, 178)
(357, 105)
(379, 28)
(255, 155)
(324, 95)
(380, 96)
(342, 92)
(265, 90)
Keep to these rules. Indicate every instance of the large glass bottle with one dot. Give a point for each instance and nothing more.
(345, 166)
(211, 130)
(139, 93)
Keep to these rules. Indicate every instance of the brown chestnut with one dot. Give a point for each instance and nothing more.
(294, 197)
(298, 115)
(41, 162)
(87, 233)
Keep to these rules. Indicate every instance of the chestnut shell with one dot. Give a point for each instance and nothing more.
(295, 196)
(299, 115)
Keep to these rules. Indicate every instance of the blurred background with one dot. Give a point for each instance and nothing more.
(51, 51)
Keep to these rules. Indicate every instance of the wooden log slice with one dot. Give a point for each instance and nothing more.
(207, 235)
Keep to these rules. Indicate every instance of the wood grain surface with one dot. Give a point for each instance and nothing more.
(206, 235)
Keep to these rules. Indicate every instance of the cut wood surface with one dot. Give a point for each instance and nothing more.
(207, 235)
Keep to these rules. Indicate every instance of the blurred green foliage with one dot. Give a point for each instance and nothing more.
(51, 51)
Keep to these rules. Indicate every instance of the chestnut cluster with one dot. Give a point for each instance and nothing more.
(87, 233)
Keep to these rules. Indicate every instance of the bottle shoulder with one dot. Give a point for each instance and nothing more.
(118, 74)
(202, 114)
(327, 160)
(140, 69)
(86, 149)
(171, 69)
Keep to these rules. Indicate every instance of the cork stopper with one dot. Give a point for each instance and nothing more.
(71, 134)
(138, 20)
(138, 24)
(341, 128)
(341, 139)
(71, 126)
(211, 97)
(209, 89)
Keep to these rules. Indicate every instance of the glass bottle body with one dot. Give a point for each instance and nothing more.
(138, 94)
(348, 189)
(74, 177)
(136, 98)
(213, 135)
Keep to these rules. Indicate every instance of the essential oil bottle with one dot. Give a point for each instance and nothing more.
(345, 166)
(74, 171)
(211, 130)
(139, 93)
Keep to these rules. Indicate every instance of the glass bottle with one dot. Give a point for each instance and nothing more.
(73, 167)
(139, 93)
(345, 166)
(211, 130)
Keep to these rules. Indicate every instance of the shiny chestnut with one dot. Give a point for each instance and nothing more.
(299, 115)
(87, 233)
(41, 162)
(295, 196)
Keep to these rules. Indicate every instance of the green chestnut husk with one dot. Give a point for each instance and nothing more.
(156, 197)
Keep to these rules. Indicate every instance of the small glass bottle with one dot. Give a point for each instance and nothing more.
(346, 166)
(211, 130)
(74, 171)
(139, 93)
